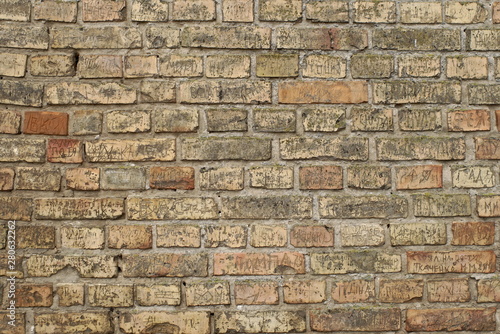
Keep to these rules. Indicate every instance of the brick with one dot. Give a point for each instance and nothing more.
(158, 294)
(10, 122)
(100, 66)
(275, 263)
(482, 39)
(454, 319)
(483, 94)
(38, 178)
(420, 148)
(441, 205)
(467, 67)
(82, 237)
(260, 322)
(228, 66)
(232, 236)
(39, 236)
(103, 10)
(472, 176)
(149, 11)
(417, 66)
(83, 178)
(322, 92)
(176, 120)
(171, 208)
(184, 322)
(24, 37)
(488, 205)
(419, 177)
(128, 121)
(73, 322)
(86, 122)
(178, 236)
(110, 37)
(304, 292)
(256, 292)
(362, 235)
(152, 265)
(495, 9)
(473, 233)
(324, 66)
(323, 119)
(355, 291)
(370, 206)
(193, 10)
(279, 177)
(375, 12)
(16, 208)
(225, 120)
(354, 262)
(371, 119)
(140, 66)
(488, 290)
(15, 10)
(377, 319)
(130, 150)
(279, 207)
(401, 291)
(221, 178)
(242, 37)
(123, 178)
(274, 120)
(268, 236)
(200, 293)
(70, 294)
(171, 178)
(469, 120)
(94, 266)
(12, 64)
(280, 10)
(237, 11)
(349, 39)
(369, 177)
(419, 119)
(312, 236)
(33, 295)
(404, 39)
(20, 149)
(64, 151)
(247, 92)
(451, 262)
(401, 92)
(46, 123)
(487, 148)
(328, 11)
(6, 179)
(277, 65)
(371, 66)
(57, 11)
(216, 148)
(464, 12)
(200, 91)
(303, 38)
(162, 37)
(177, 65)
(21, 93)
(108, 295)
(340, 148)
(20, 323)
(52, 65)
(89, 93)
(448, 291)
(413, 234)
(130, 236)
(421, 12)
(78, 208)
(320, 177)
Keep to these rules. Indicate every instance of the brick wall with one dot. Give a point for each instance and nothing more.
(240, 166)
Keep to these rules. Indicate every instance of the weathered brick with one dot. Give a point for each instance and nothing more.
(304, 292)
(16, 208)
(274, 120)
(100, 66)
(412, 234)
(216, 148)
(178, 65)
(323, 119)
(108, 295)
(448, 291)
(451, 262)
(377, 319)
(419, 177)
(322, 92)
(369, 177)
(103, 10)
(328, 11)
(421, 12)
(303, 38)
(54, 10)
(78, 208)
(10, 122)
(488, 205)
(221, 178)
(279, 207)
(6, 179)
(469, 120)
(375, 11)
(312, 236)
(320, 177)
(400, 92)
(38, 178)
(83, 178)
(354, 262)
(421, 148)
(64, 151)
(225, 120)
(140, 66)
(371, 119)
(277, 65)
(417, 66)
(483, 94)
(441, 205)
(130, 236)
(404, 39)
(20, 149)
(348, 38)
(193, 10)
(354, 291)
(203, 91)
(280, 10)
(152, 265)
(110, 37)
(260, 322)
(176, 120)
(33, 295)
(15, 10)
(268, 236)
(279, 177)
(38, 236)
(401, 291)
(487, 148)
(70, 294)
(128, 121)
(324, 66)
(158, 294)
(5, 317)
(45, 123)
(178, 236)
(12, 64)
(52, 65)
(495, 12)
(359, 235)
(472, 176)
(86, 122)
(123, 178)
(233, 236)
(94, 266)
(184, 322)
(200, 293)
(340, 148)
(149, 11)
(24, 37)
(130, 150)
(454, 319)
(171, 208)
(277, 263)
(482, 39)
(228, 66)
(467, 67)
(162, 37)
(371, 66)
(89, 93)
(369, 206)
(21, 93)
(256, 292)
(82, 237)
(237, 11)
(456, 12)
(488, 290)
(241, 37)
(74, 322)
(473, 233)
(171, 178)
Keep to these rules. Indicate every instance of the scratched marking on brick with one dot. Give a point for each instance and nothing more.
(451, 262)
(259, 263)
(64, 151)
(131, 150)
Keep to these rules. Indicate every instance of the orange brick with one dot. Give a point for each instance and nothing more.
(46, 123)
(171, 178)
(355, 291)
(65, 151)
(33, 295)
(469, 120)
(448, 291)
(401, 291)
(419, 177)
(304, 292)
(421, 262)
(320, 177)
(473, 233)
(256, 293)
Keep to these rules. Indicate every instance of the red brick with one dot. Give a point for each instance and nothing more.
(64, 150)
(46, 123)
(419, 177)
(320, 177)
(322, 92)
(473, 233)
(469, 120)
(457, 319)
(259, 263)
(312, 236)
(421, 262)
(34, 295)
(171, 178)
